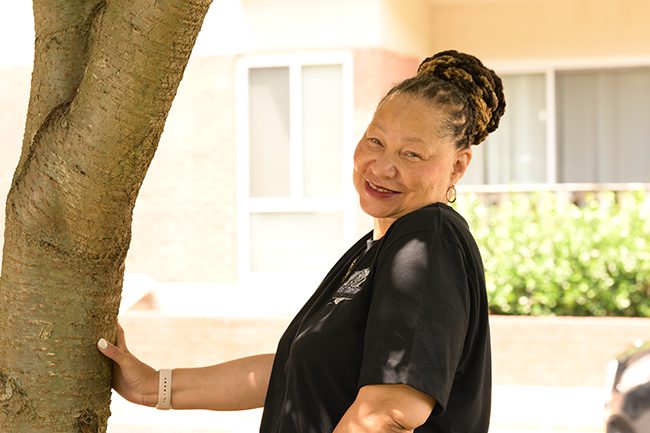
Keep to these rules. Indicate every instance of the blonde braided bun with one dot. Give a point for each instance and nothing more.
(471, 94)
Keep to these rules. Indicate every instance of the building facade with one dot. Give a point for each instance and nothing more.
(250, 191)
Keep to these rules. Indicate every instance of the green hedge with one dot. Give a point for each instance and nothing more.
(544, 255)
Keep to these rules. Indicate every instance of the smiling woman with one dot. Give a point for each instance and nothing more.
(396, 337)
(402, 162)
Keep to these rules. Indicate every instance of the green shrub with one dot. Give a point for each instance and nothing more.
(545, 255)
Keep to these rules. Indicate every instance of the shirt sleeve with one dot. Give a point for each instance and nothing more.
(418, 316)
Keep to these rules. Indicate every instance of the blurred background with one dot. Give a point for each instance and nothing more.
(249, 199)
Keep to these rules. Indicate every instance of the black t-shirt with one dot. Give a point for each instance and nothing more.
(410, 308)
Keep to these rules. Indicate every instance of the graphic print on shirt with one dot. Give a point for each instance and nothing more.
(351, 286)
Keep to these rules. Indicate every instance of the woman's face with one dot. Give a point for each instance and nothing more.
(403, 163)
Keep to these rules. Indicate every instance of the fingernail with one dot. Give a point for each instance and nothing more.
(102, 344)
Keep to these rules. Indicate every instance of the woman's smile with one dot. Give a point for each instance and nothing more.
(379, 191)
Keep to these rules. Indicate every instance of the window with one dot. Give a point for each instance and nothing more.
(573, 126)
(317, 151)
(516, 151)
(294, 163)
(603, 128)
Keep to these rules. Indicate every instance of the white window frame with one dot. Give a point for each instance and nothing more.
(346, 205)
(549, 68)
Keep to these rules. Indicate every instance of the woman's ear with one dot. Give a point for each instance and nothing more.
(463, 157)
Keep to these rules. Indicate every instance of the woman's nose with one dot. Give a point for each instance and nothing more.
(383, 167)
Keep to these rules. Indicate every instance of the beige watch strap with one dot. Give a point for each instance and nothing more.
(164, 389)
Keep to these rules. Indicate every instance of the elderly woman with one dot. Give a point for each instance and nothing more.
(396, 337)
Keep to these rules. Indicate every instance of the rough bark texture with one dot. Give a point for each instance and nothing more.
(105, 74)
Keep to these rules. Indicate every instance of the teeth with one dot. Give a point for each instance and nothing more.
(376, 188)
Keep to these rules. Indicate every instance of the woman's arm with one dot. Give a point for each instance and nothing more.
(386, 409)
(234, 385)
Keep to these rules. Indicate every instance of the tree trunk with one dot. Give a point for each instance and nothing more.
(105, 74)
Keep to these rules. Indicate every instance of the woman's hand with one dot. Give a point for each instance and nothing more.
(132, 379)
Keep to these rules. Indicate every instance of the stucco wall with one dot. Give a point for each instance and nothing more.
(293, 25)
(560, 351)
(184, 219)
(524, 29)
(14, 96)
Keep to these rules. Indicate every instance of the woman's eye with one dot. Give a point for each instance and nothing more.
(412, 155)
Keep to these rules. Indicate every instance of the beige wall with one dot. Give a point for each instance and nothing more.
(404, 27)
(294, 25)
(491, 29)
(184, 219)
(524, 29)
(14, 96)
(375, 72)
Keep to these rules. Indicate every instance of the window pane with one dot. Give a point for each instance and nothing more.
(295, 242)
(603, 126)
(322, 112)
(516, 151)
(269, 132)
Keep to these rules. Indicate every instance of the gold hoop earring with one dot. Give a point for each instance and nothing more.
(451, 194)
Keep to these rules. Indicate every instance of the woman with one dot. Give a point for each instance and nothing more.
(396, 337)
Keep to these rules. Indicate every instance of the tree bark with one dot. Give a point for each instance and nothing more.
(105, 74)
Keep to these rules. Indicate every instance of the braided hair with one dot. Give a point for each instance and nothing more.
(470, 93)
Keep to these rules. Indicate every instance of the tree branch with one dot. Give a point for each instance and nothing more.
(80, 174)
(63, 36)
